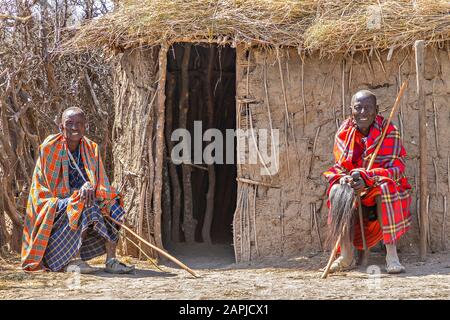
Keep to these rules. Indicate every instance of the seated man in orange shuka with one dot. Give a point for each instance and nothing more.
(384, 185)
(69, 197)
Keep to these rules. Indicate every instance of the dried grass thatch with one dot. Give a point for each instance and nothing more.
(312, 25)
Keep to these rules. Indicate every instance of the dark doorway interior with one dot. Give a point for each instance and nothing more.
(201, 86)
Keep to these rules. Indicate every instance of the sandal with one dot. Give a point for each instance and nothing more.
(114, 266)
(79, 266)
(339, 265)
(394, 267)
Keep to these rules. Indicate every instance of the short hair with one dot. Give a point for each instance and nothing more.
(76, 110)
(365, 93)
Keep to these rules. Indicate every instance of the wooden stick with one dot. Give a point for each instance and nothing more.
(311, 221)
(254, 220)
(443, 223)
(238, 201)
(15, 18)
(313, 151)
(316, 221)
(196, 166)
(343, 89)
(189, 222)
(419, 48)
(242, 222)
(162, 252)
(266, 90)
(303, 91)
(258, 183)
(394, 108)
(136, 245)
(159, 160)
(255, 142)
(286, 127)
(361, 223)
(436, 131)
(380, 61)
(283, 89)
(428, 214)
(418, 211)
(448, 173)
(332, 104)
(142, 251)
(400, 120)
(286, 124)
(331, 259)
(247, 215)
(436, 175)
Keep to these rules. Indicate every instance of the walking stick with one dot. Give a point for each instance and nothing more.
(165, 254)
(372, 160)
(356, 176)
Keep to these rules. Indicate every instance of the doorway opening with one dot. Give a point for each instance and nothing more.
(199, 200)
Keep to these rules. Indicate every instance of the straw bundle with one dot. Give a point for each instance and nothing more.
(323, 25)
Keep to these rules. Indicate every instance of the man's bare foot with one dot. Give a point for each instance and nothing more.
(79, 266)
(393, 265)
(342, 264)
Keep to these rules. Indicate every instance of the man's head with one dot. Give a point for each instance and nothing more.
(364, 109)
(73, 124)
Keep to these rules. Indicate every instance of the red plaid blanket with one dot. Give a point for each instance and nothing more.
(352, 152)
(50, 181)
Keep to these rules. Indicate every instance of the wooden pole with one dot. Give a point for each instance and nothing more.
(159, 160)
(174, 180)
(419, 48)
(189, 223)
(209, 210)
(162, 252)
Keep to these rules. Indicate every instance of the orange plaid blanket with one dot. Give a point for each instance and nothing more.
(50, 182)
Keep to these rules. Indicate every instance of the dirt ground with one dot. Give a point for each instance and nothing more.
(282, 278)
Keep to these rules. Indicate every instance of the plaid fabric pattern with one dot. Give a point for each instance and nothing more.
(386, 178)
(64, 242)
(50, 182)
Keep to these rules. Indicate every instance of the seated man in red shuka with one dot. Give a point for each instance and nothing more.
(384, 185)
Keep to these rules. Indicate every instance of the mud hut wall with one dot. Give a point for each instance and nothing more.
(284, 223)
(135, 82)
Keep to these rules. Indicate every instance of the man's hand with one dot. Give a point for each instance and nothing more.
(87, 194)
(358, 185)
(345, 179)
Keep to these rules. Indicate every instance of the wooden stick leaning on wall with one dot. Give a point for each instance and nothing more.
(419, 48)
(372, 161)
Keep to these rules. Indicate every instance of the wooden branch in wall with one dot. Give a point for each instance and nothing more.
(316, 222)
(15, 18)
(98, 110)
(257, 183)
(436, 129)
(311, 163)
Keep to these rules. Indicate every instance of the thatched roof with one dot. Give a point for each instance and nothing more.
(328, 26)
